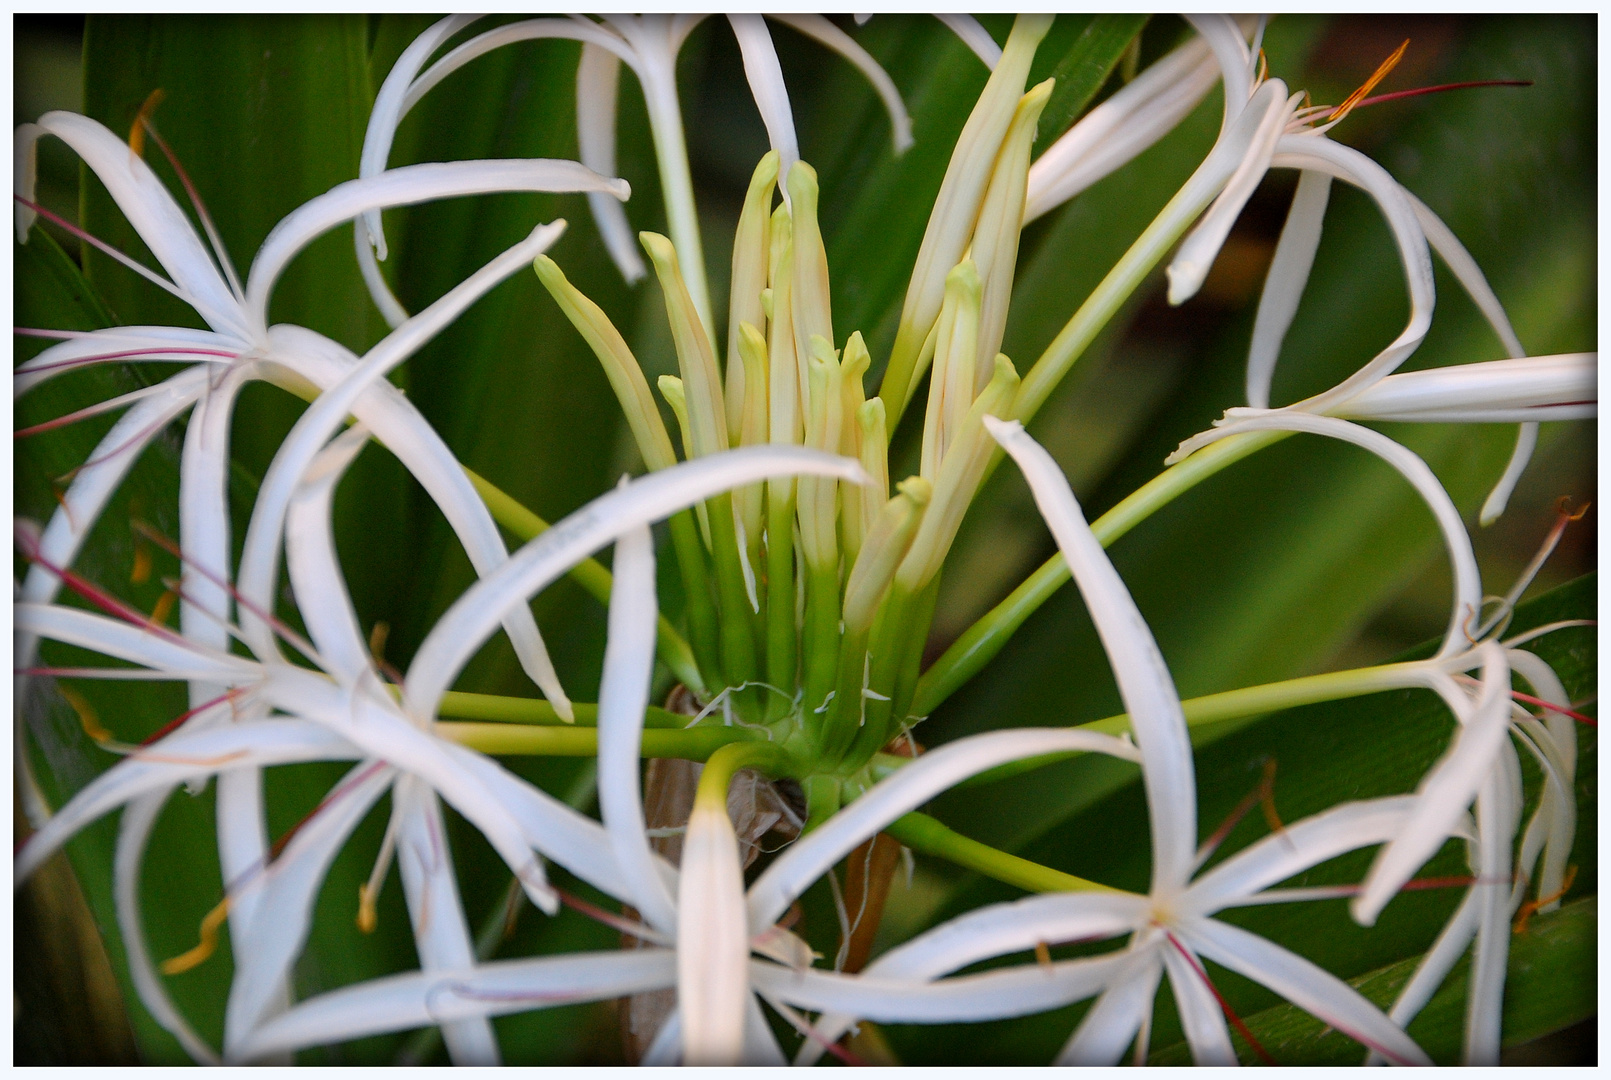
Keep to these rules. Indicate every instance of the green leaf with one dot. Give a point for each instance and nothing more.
(1083, 68)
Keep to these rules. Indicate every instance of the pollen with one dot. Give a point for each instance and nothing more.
(204, 948)
(366, 909)
(1377, 76)
(141, 573)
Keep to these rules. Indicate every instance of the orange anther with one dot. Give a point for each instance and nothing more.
(86, 715)
(142, 119)
(1526, 910)
(1370, 84)
(209, 941)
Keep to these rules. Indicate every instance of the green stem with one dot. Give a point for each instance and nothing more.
(781, 643)
(824, 795)
(738, 620)
(985, 638)
(520, 521)
(922, 833)
(821, 643)
(519, 710)
(1203, 713)
(765, 757)
(694, 744)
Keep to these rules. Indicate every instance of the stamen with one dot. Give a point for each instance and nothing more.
(369, 891)
(1507, 604)
(1547, 628)
(86, 715)
(1525, 913)
(377, 652)
(1230, 1014)
(137, 129)
(335, 793)
(1043, 955)
(1563, 710)
(94, 593)
(209, 941)
(1418, 91)
(127, 354)
(169, 727)
(641, 931)
(147, 125)
(164, 607)
(1352, 101)
(1263, 795)
(804, 1027)
(141, 573)
(289, 635)
(107, 249)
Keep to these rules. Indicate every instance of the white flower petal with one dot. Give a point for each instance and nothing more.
(398, 425)
(1540, 386)
(1559, 802)
(141, 343)
(1190, 266)
(760, 1045)
(1285, 281)
(126, 641)
(1526, 441)
(1448, 789)
(174, 760)
(1119, 1014)
(387, 113)
(404, 187)
(1235, 61)
(1435, 966)
(1116, 131)
(1145, 686)
(974, 36)
(1014, 991)
(1497, 811)
(1200, 1013)
(1311, 988)
(911, 787)
(1295, 849)
(422, 999)
(623, 695)
(819, 28)
(315, 571)
(441, 935)
(460, 632)
(598, 78)
(992, 931)
(765, 77)
(148, 206)
(712, 940)
(269, 938)
(1467, 272)
(1318, 153)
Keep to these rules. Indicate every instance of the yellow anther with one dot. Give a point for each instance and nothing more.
(1370, 84)
(1043, 955)
(86, 714)
(141, 119)
(209, 941)
(366, 909)
(142, 564)
(163, 608)
(1525, 913)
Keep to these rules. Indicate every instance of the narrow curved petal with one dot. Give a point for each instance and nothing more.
(623, 696)
(1014, 991)
(1311, 988)
(441, 935)
(1143, 677)
(398, 425)
(1562, 731)
(1200, 1012)
(421, 999)
(375, 727)
(388, 112)
(712, 940)
(1539, 386)
(1297, 848)
(1467, 579)
(1467, 272)
(1111, 135)
(260, 554)
(133, 833)
(1119, 1014)
(1448, 789)
(1285, 282)
(460, 632)
(405, 186)
(1190, 266)
(315, 571)
(270, 939)
(765, 77)
(175, 760)
(1318, 153)
(993, 931)
(99, 477)
(598, 79)
(132, 344)
(820, 29)
(760, 1045)
(1435, 966)
(166, 652)
(1235, 62)
(1498, 806)
(1499, 497)
(155, 215)
(914, 785)
(974, 36)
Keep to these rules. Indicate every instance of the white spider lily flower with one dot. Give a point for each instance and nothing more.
(245, 347)
(1172, 926)
(649, 45)
(1523, 390)
(342, 713)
